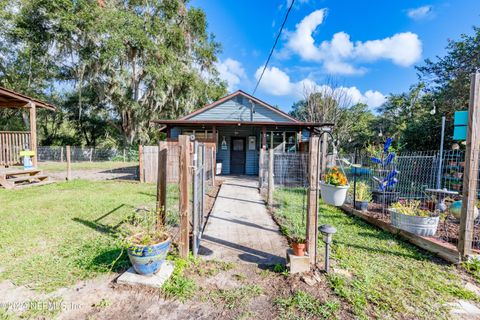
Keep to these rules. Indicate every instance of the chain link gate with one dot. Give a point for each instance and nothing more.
(198, 194)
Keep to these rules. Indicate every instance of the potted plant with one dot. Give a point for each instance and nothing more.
(298, 246)
(363, 196)
(148, 244)
(384, 159)
(409, 216)
(334, 187)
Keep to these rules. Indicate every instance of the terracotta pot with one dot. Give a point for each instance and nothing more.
(298, 249)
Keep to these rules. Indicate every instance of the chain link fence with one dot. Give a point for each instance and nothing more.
(89, 162)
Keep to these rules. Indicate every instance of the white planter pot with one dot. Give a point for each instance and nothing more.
(333, 195)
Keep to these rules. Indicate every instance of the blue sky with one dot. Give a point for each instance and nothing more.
(368, 47)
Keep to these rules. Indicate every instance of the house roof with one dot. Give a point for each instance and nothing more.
(14, 100)
(248, 96)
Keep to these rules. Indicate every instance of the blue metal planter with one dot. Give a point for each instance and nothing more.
(147, 260)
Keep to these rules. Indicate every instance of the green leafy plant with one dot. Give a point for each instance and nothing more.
(362, 191)
(411, 208)
(143, 229)
(298, 235)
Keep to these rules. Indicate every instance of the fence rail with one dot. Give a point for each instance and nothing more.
(11, 143)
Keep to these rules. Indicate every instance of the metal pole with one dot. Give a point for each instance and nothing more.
(195, 197)
(355, 181)
(327, 257)
(439, 170)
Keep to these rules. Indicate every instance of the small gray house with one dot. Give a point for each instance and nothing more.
(241, 125)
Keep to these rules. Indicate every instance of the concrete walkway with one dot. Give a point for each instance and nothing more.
(240, 229)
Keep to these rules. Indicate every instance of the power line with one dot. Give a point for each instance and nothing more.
(273, 48)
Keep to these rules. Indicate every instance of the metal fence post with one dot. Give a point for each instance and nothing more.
(195, 197)
(270, 177)
(312, 199)
(355, 179)
(204, 175)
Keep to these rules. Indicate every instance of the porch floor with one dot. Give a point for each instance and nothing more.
(240, 229)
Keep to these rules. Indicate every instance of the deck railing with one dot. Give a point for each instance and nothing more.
(11, 143)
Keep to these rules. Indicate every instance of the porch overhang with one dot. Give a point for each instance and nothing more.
(314, 126)
(14, 100)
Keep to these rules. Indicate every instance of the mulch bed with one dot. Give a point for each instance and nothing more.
(448, 230)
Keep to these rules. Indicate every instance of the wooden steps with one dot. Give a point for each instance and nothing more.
(19, 179)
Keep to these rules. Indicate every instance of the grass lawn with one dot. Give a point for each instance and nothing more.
(389, 277)
(55, 235)
(85, 165)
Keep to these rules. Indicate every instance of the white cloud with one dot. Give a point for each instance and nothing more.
(340, 54)
(232, 72)
(276, 82)
(420, 12)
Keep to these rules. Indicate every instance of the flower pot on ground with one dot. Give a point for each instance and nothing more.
(361, 205)
(407, 215)
(298, 246)
(148, 252)
(148, 243)
(334, 187)
(363, 196)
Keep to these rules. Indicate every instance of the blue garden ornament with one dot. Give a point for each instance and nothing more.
(389, 180)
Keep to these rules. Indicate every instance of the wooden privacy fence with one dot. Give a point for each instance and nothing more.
(148, 158)
(11, 143)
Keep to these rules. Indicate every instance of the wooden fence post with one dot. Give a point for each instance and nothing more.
(271, 186)
(312, 200)
(470, 175)
(69, 165)
(214, 166)
(184, 145)
(61, 154)
(141, 164)
(33, 132)
(162, 184)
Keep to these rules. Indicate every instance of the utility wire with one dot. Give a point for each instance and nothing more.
(274, 45)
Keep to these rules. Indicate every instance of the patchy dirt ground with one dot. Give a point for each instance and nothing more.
(223, 291)
(127, 173)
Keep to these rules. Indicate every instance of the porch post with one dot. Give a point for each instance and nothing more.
(261, 157)
(214, 134)
(33, 132)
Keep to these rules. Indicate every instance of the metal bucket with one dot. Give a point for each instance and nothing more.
(422, 226)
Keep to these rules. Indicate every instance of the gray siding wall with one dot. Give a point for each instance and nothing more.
(238, 109)
(251, 163)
